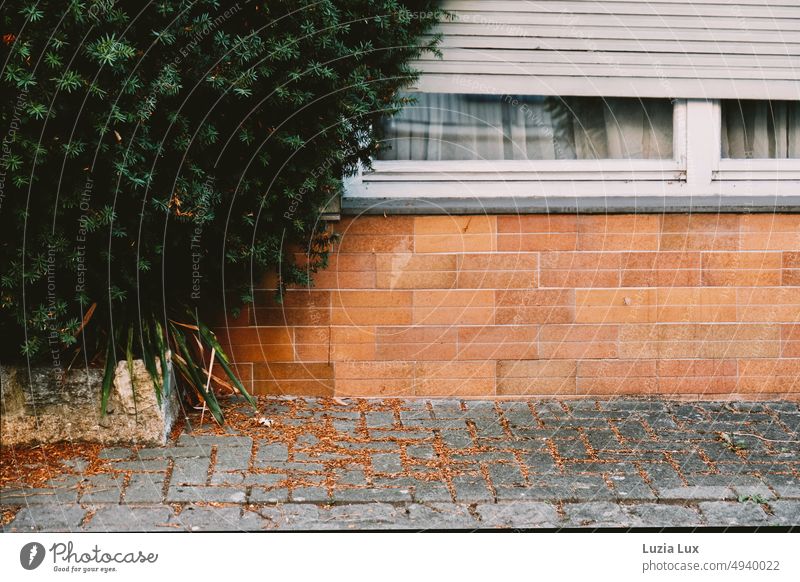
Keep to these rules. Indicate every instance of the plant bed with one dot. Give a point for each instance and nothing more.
(47, 405)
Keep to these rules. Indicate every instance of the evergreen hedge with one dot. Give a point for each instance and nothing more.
(157, 154)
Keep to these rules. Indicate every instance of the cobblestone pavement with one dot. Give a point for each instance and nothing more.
(399, 464)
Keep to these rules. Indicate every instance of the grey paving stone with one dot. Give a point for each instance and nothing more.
(379, 419)
(732, 481)
(571, 449)
(264, 479)
(696, 492)
(506, 474)
(387, 463)
(344, 414)
(406, 483)
(753, 491)
(719, 452)
(597, 467)
(124, 518)
(631, 487)
(489, 427)
(102, 489)
(531, 433)
(476, 409)
(116, 453)
(305, 441)
(457, 439)
(39, 496)
(447, 409)
(223, 442)
(597, 514)
(424, 452)
(227, 478)
(345, 426)
(292, 516)
(404, 435)
(310, 495)
(724, 513)
(632, 431)
(539, 462)
(371, 445)
(471, 488)
(233, 459)
(428, 491)
(658, 421)
(663, 476)
(484, 457)
(574, 487)
(522, 514)
(605, 441)
(351, 477)
(368, 495)
(690, 462)
(190, 471)
(315, 457)
(77, 464)
(633, 405)
(518, 413)
(630, 456)
(441, 516)
(144, 488)
(259, 495)
(227, 519)
(272, 452)
(63, 481)
(660, 515)
(179, 494)
(420, 413)
(785, 512)
(293, 466)
(150, 465)
(60, 518)
(524, 445)
(198, 451)
(786, 486)
(364, 516)
(438, 424)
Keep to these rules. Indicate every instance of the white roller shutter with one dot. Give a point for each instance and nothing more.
(746, 49)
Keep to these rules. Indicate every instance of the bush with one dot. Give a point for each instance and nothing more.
(155, 157)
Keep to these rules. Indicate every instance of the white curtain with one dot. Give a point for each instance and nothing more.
(760, 129)
(493, 127)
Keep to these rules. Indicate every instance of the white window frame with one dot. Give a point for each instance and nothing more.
(752, 169)
(696, 169)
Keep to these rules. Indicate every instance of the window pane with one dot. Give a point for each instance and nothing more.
(760, 129)
(443, 126)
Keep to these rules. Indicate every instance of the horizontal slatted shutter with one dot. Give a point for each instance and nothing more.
(746, 49)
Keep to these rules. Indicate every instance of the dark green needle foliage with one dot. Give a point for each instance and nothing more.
(158, 158)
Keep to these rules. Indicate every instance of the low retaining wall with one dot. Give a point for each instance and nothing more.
(44, 405)
(700, 305)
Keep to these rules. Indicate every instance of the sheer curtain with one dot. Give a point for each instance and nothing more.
(760, 129)
(442, 126)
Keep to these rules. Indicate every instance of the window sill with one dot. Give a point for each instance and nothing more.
(571, 205)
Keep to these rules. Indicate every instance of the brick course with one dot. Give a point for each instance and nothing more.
(509, 306)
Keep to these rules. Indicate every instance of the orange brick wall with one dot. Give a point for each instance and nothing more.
(536, 305)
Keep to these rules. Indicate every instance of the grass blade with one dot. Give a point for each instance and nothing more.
(108, 376)
(209, 337)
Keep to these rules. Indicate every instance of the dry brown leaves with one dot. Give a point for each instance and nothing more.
(7, 515)
(33, 466)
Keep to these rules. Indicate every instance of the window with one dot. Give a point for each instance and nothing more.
(446, 145)
(441, 126)
(595, 99)
(759, 141)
